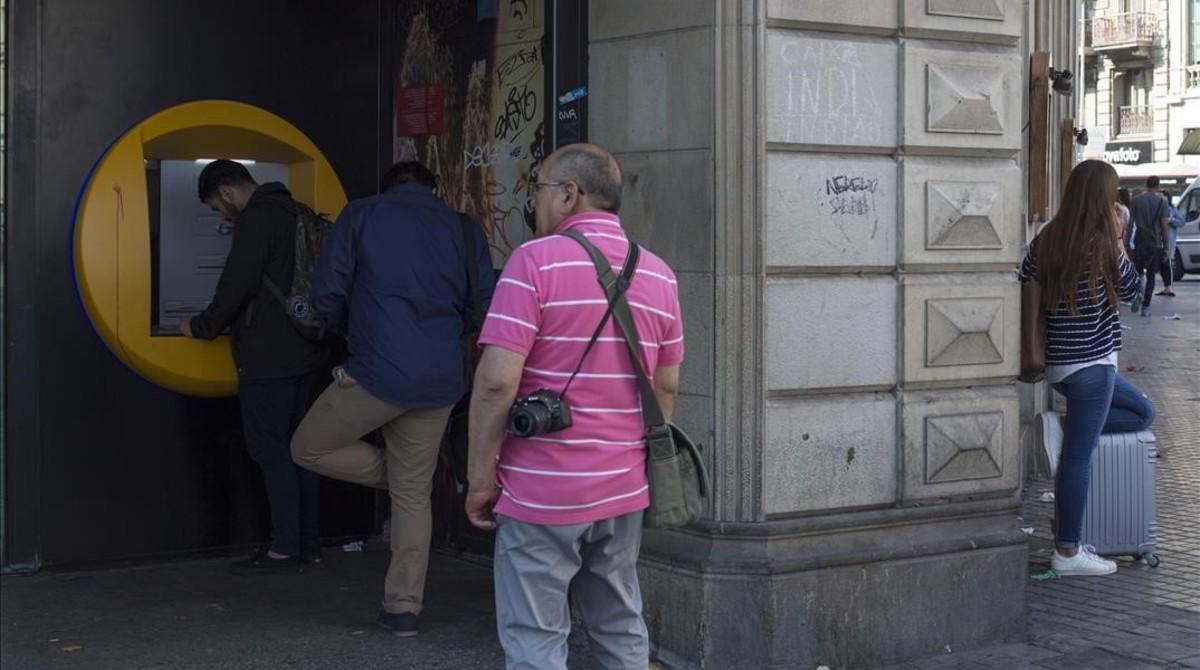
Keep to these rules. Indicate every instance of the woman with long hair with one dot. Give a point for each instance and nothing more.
(1083, 276)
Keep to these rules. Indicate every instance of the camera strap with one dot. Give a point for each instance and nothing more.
(614, 287)
(651, 411)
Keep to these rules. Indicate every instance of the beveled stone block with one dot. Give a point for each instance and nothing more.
(694, 414)
(828, 91)
(961, 211)
(959, 330)
(963, 215)
(963, 331)
(830, 332)
(623, 18)
(962, 101)
(872, 15)
(960, 442)
(829, 453)
(681, 234)
(642, 92)
(696, 291)
(996, 21)
(830, 211)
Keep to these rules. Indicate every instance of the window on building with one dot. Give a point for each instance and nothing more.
(1133, 110)
(1193, 57)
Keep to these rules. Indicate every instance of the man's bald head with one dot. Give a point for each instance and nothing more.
(593, 169)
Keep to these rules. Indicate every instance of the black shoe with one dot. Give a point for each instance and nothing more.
(261, 563)
(403, 624)
(310, 559)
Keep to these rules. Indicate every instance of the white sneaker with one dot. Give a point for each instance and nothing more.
(1084, 564)
(1052, 440)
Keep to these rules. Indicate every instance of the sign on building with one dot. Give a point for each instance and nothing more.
(1129, 153)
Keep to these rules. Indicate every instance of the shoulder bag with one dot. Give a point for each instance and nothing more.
(674, 464)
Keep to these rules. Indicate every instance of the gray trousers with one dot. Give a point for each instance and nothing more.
(536, 565)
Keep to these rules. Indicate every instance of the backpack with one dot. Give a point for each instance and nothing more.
(1177, 220)
(1147, 234)
(311, 231)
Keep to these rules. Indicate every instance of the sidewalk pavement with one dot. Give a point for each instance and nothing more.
(1140, 617)
(192, 614)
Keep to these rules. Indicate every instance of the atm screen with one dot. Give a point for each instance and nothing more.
(188, 241)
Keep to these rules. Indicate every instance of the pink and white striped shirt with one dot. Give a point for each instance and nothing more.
(546, 306)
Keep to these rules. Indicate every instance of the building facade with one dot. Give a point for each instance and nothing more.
(845, 216)
(840, 186)
(1141, 65)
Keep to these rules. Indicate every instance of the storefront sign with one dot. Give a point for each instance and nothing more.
(420, 110)
(1129, 153)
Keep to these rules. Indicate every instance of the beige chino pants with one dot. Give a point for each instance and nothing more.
(329, 442)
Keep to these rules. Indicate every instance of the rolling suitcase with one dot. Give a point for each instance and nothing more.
(1121, 517)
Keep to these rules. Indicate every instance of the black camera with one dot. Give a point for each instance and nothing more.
(543, 411)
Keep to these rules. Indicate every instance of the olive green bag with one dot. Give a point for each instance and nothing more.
(674, 464)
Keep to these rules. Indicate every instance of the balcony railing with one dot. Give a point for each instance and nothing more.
(1131, 30)
(1085, 37)
(1184, 81)
(1135, 120)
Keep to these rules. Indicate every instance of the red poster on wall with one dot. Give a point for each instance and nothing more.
(420, 110)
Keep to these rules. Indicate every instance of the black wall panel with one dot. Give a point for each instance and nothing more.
(99, 463)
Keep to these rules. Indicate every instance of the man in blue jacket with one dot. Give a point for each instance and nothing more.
(1150, 223)
(394, 277)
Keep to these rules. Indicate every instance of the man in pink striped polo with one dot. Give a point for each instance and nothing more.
(568, 503)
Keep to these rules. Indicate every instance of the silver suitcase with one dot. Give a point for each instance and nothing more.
(1121, 517)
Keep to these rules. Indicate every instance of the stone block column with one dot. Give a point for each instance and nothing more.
(840, 179)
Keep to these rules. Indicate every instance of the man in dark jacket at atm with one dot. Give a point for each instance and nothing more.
(279, 371)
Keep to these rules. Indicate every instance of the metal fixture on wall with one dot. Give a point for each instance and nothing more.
(1063, 81)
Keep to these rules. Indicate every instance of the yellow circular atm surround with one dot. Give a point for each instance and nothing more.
(112, 230)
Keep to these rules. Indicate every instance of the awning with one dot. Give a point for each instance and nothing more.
(1191, 143)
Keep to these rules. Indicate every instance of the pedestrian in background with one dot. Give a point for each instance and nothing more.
(1165, 268)
(1124, 200)
(1150, 220)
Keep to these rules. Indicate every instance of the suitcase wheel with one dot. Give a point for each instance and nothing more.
(1152, 560)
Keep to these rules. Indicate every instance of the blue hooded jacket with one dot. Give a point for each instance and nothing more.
(392, 276)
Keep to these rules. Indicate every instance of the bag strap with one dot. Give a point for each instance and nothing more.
(474, 313)
(275, 291)
(621, 285)
(295, 208)
(651, 411)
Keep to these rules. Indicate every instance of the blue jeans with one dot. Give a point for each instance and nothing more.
(1098, 401)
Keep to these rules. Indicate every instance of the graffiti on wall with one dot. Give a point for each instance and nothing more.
(483, 62)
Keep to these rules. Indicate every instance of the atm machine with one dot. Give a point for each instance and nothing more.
(188, 241)
(148, 253)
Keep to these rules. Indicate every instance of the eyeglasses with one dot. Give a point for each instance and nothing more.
(541, 184)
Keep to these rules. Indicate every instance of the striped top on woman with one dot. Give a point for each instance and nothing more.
(1093, 333)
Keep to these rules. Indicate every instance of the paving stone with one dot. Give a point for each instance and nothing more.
(1140, 617)
(1099, 659)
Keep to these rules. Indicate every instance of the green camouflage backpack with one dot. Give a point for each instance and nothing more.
(311, 230)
